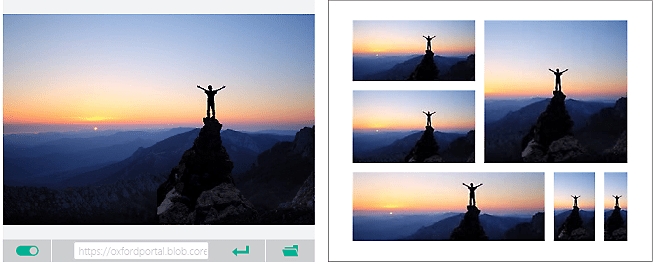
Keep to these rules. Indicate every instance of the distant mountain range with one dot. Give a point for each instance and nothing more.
(437, 227)
(46, 158)
(122, 192)
(374, 147)
(396, 68)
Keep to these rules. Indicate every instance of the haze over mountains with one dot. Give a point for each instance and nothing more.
(120, 190)
(394, 146)
(397, 68)
(439, 226)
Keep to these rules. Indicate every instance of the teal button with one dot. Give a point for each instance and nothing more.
(27, 251)
(290, 251)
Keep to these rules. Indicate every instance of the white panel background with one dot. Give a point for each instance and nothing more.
(639, 168)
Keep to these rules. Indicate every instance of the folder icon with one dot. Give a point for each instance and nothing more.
(290, 251)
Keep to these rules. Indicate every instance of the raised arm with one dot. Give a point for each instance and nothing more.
(552, 70)
(465, 185)
(564, 71)
(200, 87)
(480, 184)
(221, 88)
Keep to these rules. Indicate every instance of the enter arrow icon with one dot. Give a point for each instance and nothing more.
(242, 252)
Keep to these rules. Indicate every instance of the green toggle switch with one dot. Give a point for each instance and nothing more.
(27, 251)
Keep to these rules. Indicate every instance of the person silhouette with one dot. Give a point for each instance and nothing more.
(616, 200)
(428, 38)
(428, 117)
(211, 104)
(557, 82)
(472, 188)
(575, 203)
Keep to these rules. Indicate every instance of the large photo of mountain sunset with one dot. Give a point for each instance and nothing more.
(555, 91)
(413, 50)
(389, 206)
(158, 119)
(413, 126)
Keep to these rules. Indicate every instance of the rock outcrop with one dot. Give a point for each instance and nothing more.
(426, 70)
(615, 228)
(550, 139)
(470, 228)
(200, 189)
(532, 231)
(426, 149)
(462, 71)
(573, 228)
(281, 184)
(461, 149)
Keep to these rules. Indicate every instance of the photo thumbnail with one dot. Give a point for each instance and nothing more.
(421, 50)
(583, 64)
(448, 206)
(413, 126)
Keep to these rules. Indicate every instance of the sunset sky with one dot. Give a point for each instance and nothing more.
(519, 54)
(142, 70)
(579, 184)
(615, 183)
(501, 193)
(403, 37)
(403, 110)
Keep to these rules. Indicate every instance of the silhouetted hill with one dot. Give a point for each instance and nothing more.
(425, 149)
(494, 227)
(605, 133)
(615, 225)
(426, 70)
(123, 202)
(461, 71)
(575, 224)
(279, 173)
(243, 148)
(532, 231)
(461, 149)
(397, 151)
(402, 71)
(200, 189)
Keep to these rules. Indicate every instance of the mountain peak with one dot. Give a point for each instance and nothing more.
(200, 189)
(426, 149)
(470, 228)
(426, 70)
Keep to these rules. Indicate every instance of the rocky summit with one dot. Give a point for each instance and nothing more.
(426, 149)
(426, 70)
(200, 189)
(550, 139)
(573, 228)
(470, 228)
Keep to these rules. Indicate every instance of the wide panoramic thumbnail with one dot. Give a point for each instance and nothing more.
(469, 206)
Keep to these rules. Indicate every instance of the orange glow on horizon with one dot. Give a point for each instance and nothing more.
(390, 49)
(405, 124)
